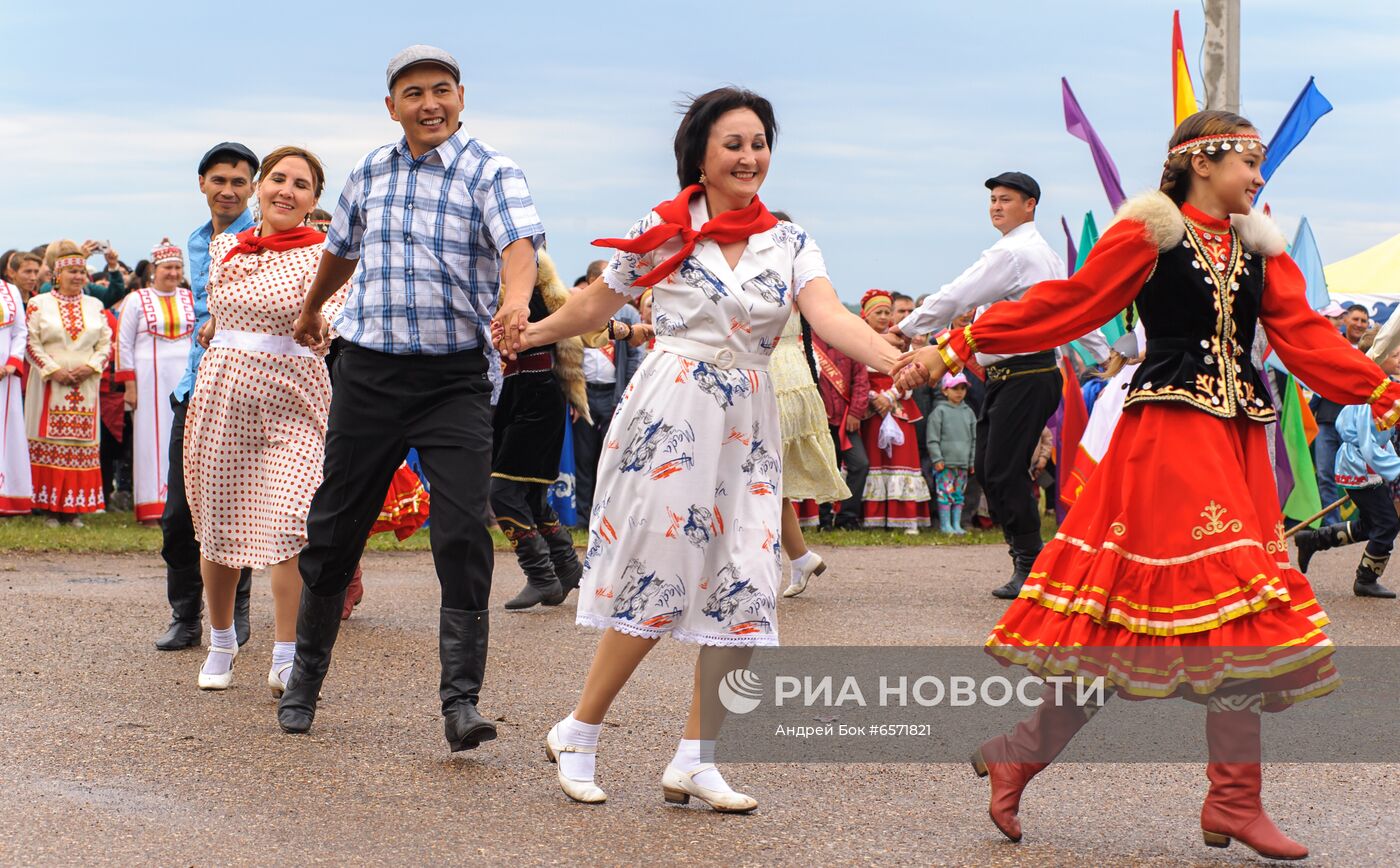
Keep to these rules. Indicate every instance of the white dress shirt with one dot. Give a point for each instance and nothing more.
(1018, 261)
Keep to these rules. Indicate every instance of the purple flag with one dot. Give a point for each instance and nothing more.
(1078, 126)
(1069, 246)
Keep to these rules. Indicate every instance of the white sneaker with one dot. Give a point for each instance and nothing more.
(678, 786)
(219, 682)
(815, 567)
(579, 790)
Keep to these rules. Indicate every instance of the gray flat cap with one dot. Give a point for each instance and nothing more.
(416, 54)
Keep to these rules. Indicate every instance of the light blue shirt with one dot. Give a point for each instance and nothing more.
(1366, 455)
(198, 247)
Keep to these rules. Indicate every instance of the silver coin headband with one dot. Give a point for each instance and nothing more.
(1240, 142)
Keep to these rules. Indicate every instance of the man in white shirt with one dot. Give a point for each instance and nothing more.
(1023, 391)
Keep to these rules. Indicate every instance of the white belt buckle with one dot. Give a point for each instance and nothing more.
(724, 358)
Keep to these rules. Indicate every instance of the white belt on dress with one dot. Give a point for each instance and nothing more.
(721, 357)
(259, 342)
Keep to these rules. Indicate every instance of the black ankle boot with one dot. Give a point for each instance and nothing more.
(541, 585)
(241, 627)
(182, 633)
(318, 622)
(462, 644)
(1368, 576)
(1310, 542)
(561, 553)
(186, 593)
(1024, 550)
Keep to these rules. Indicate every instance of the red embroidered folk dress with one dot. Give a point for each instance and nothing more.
(256, 427)
(1171, 575)
(896, 494)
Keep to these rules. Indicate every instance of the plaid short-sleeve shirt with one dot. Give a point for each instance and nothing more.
(428, 234)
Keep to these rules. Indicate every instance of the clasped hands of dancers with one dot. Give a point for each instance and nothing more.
(695, 439)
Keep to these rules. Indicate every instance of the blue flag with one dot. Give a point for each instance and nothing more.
(1307, 108)
(561, 493)
(1309, 261)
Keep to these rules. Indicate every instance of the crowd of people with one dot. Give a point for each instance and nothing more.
(265, 398)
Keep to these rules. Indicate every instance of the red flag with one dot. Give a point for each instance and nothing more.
(1076, 419)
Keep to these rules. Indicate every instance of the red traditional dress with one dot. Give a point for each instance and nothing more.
(61, 420)
(896, 494)
(16, 481)
(1171, 575)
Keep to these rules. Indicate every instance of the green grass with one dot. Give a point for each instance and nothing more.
(118, 533)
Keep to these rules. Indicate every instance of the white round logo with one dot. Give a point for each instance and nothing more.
(740, 691)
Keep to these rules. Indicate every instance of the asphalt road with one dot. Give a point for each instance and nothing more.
(111, 755)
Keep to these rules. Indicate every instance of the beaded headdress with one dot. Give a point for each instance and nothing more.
(1241, 142)
(166, 251)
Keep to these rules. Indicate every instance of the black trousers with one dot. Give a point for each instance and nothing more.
(588, 445)
(522, 507)
(382, 405)
(184, 585)
(1377, 522)
(1013, 415)
(857, 470)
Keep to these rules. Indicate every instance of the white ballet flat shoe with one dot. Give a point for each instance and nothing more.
(580, 791)
(219, 682)
(679, 786)
(815, 568)
(274, 677)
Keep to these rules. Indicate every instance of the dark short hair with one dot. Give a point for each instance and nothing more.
(1360, 307)
(581, 279)
(899, 296)
(693, 135)
(595, 269)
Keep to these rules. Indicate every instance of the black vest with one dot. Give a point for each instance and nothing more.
(1200, 324)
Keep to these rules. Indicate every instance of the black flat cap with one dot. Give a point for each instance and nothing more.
(232, 151)
(1016, 181)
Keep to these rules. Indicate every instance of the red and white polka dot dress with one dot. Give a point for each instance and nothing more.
(256, 427)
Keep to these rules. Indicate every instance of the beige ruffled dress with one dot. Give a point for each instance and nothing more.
(810, 471)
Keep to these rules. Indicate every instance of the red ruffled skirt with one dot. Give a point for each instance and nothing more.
(405, 505)
(896, 494)
(1171, 575)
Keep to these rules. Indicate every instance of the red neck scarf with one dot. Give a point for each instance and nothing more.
(727, 228)
(249, 241)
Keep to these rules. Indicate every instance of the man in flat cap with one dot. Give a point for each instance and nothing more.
(436, 223)
(1023, 391)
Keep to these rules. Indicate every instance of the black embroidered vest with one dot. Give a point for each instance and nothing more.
(1200, 322)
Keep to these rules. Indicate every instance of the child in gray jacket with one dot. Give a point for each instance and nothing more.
(952, 431)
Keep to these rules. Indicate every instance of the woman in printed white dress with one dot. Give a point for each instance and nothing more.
(153, 347)
(255, 432)
(16, 486)
(683, 539)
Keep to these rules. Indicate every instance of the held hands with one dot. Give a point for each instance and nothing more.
(311, 330)
(508, 329)
(917, 367)
(881, 404)
(641, 333)
(206, 333)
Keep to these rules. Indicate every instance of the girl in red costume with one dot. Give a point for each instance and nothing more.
(896, 494)
(1171, 575)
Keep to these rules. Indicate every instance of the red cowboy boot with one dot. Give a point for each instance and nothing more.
(1232, 808)
(354, 593)
(1010, 761)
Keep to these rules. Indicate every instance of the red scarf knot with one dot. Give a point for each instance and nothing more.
(249, 241)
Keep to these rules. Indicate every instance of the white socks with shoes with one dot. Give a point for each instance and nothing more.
(578, 766)
(283, 652)
(799, 565)
(692, 753)
(218, 662)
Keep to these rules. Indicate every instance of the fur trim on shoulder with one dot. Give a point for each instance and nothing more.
(548, 283)
(1259, 233)
(568, 370)
(1155, 210)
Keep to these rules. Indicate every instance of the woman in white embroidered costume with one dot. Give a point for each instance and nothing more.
(16, 483)
(683, 539)
(255, 433)
(153, 347)
(69, 341)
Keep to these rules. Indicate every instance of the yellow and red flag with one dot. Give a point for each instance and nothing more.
(1183, 94)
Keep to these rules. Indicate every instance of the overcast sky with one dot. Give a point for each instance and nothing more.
(892, 114)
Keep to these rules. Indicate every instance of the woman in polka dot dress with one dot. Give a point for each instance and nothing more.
(255, 433)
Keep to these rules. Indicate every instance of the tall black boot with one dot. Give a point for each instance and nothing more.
(1024, 550)
(1310, 542)
(318, 622)
(1368, 576)
(561, 552)
(186, 629)
(462, 644)
(241, 627)
(541, 584)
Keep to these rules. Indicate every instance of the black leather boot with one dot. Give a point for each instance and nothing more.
(241, 628)
(185, 631)
(1310, 542)
(462, 644)
(318, 622)
(1368, 576)
(1024, 550)
(541, 585)
(561, 552)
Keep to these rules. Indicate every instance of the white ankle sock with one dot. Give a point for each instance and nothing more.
(217, 663)
(283, 652)
(799, 564)
(578, 766)
(694, 752)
